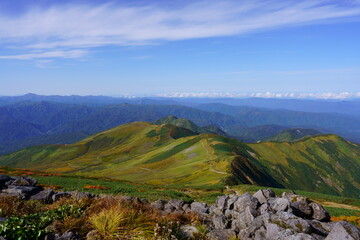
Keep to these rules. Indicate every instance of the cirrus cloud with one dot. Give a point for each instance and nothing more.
(57, 28)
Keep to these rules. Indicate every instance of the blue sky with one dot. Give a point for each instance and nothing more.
(175, 47)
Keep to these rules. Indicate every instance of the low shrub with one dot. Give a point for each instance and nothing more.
(35, 226)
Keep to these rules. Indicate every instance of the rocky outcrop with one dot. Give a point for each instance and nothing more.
(264, 215)
(26, 188)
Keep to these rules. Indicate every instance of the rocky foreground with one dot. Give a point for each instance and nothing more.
(262, 215)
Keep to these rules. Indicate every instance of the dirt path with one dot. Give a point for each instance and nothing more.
(147, 169)
(340, 205)
(218, 171)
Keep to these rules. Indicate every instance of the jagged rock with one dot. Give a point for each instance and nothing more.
(186, 207)
(301, 209)
(25, 189)
(274, 231)
(279, 204)
(220, 222)
(300, 236)
(264, 208)
(44, 196)
(249, 215)
(220, 234)
(263, 195)
(239, 223)
(290, 221)
(221, 202)
(246, 200)
(22, 181)
(321, 228)
(57, 196)
(230, 202)
(293, 197)
(23, 192)
(174, 205)
(188, 231)
(257, 234)
(200, 208)
(257, 229)
(232, 214)
(344, 230)
(319, 213)
(82, 195)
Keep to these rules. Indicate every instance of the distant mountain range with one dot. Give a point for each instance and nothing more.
(26, 121)
(166, 154)
(345, 107)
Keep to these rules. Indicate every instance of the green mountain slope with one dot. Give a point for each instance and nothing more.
(185, 123)
(30, 123)
(167, 154)
(324, 163)
(144, 152)
(254, 134)
(289, 135)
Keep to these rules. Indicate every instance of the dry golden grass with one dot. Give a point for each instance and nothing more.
(353, 219)
(13, 206)
(107, 217)
(107, 222)
(114, 218)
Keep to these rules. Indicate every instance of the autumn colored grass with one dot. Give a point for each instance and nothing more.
(97, 187)
(353, 219)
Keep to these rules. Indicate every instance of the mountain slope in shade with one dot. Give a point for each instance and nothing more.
(289, 135)
(185, 123)
(164, 154)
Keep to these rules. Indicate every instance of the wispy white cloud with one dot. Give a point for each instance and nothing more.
(46, 55)
(78, 26)
(323, 95)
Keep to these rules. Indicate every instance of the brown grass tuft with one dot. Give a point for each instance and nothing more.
(13, 206)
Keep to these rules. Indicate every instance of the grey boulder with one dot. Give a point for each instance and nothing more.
(44, 196)
(319, 212)
(344, 230)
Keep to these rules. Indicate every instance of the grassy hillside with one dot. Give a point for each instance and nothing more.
(254, 134)
(167, 154)
(185, 123)
(138, 151)
(289, 135)
(324, 163)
